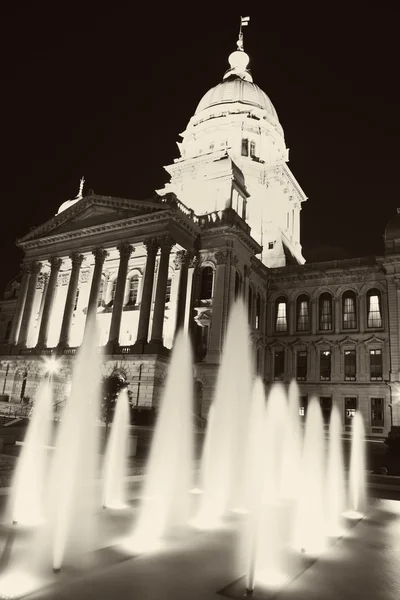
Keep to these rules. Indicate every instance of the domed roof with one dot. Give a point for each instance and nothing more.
(392, 231)
(236, 89)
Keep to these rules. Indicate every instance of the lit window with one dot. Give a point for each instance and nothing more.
(374, 309)
(279, 364)
(250, 306)
(325, 365)
(281, 315)
(375, 365)
(301, 365)
(245, 147)
(349, 311)
(325, 312)
(206, 286)
(377, 412)
(302, 314)
(258, 311)
(350, 407)
(326, 408)
(303, 407)
(168, 291)
(350, 365)
(133, 290)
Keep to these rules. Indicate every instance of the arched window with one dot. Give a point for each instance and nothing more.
(168, 291)
(325, 319)
(250, 305)
(302, 313)
(374, 308)
(206, 286)
(258, 311)
(133, 290)
(349, 310)
(281, 314)
(8, 331)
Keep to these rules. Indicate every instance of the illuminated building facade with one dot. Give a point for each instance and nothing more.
(227, 224)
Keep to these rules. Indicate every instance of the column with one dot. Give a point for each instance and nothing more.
(30, 296)
(183, 257)
(161, 290)
(45, 281)
(55, 264)
(76, 261)
(125, 251)
(23, 289)
(100, 256)
(189, 294)
(147, 290)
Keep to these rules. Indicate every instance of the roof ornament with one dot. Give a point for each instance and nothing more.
(244, 21)
(80, 193)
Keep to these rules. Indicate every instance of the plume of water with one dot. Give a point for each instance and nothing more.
(227, 433)
(166, 501)
(335, 487)
(115, 459)
(357, 475)
(27, 496)
(309, 526)
(206, 457)
(71, 496)
(289, 481)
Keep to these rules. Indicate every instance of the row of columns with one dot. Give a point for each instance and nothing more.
(23, 315)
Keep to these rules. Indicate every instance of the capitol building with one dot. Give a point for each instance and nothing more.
(226, 225)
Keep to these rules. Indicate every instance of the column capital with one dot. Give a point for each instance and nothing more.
(76, 259)
(26, 268)
(35, 267)
(166, 242)
(247, 270)
(152, 245)
(125, 250)
(100, 255)
(193, 261)
(180, 258)
(55, 263)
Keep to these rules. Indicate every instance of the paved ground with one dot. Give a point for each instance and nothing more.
(364, 565)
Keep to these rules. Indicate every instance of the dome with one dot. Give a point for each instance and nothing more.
(392, 231)
(236, 89)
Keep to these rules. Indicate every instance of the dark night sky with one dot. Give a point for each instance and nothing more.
(104, 93)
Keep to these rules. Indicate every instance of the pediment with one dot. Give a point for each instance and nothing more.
(90, 212)
(323, 342)
(298, 342)
(374, 340)
(348, 341)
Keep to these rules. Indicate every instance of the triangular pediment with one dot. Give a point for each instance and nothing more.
(348, 341)
(374, 340)
(323, 342)
(93, 211)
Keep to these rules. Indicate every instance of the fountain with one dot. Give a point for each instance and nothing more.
(335, 500)
(357, 491)
(165, 505)
(27, 499)
(227, 432)
(115, 459)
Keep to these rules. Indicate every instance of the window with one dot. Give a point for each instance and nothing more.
(302, 313)
(245, 147)
(250, 306)
(325, 312)
(281, 315)
(325, 365)
(237, 285)
(168, 291)
(350, 365)
(326, 408)
(303, 407)
(100, 301)
(206, 286)
(76, 299)
(301, 365)
(350, 407)
(252, 149)
(133, 290)
(8, 331)
(349, 315)
(377, 413)
(113, 289)
(375, 365)
(374, 311)
(270, 245)
(279, 364)
(258, 311)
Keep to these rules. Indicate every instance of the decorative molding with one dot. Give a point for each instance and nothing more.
(323, 342)
(299, 342)
(179, 259)
(55, 263)
(165, 242)
(63, 278)
(76, 259)
(276, 343)
(374, 340)
(100, 255)
(42, 280)
(193, 262)
(125, 250)
(84, 276)
(151, 245)
(222, 257)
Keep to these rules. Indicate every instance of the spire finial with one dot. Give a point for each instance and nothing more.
(244, 21)
(80, 193)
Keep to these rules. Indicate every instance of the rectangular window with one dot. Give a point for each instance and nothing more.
(377, 412)
(245, 147)
(252, 149)
(325, 314)
(301, 365)
(325, 365)
(133, 290)
(350, 407)
(168, 292)
(279, 364)
(302, 315)
(374, 311)
(303, 407)
(350, 365)
(375, 365)
(326, 408)
(281, 320)
(349, 313)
